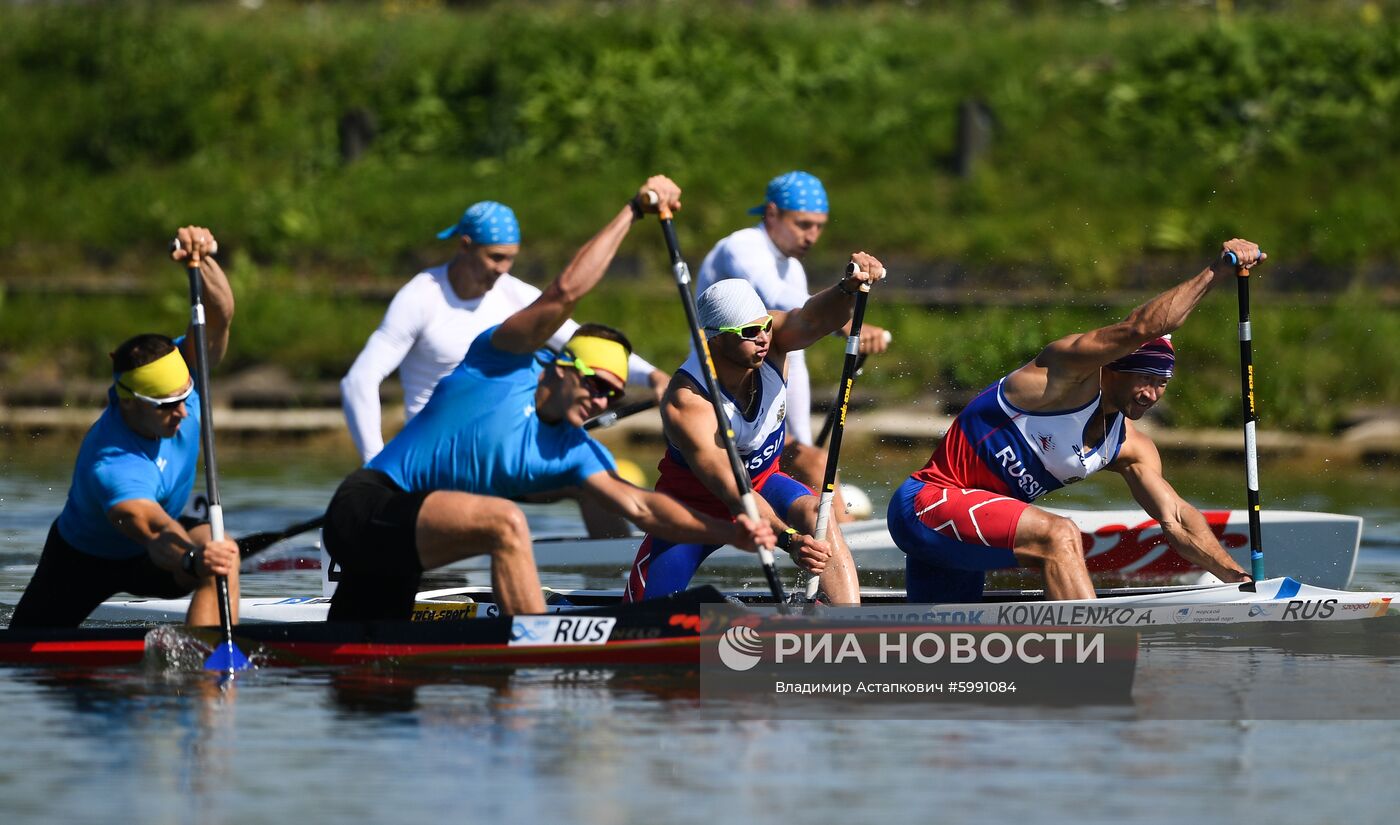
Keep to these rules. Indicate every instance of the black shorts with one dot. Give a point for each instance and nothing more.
(69, 584)
(371, 534)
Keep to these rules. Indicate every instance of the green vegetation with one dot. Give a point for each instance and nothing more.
(1313, 362)
(1127, 145)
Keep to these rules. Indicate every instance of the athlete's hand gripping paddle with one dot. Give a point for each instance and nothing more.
(849, 370)
(741, 476)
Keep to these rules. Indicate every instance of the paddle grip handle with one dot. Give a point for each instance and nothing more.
(176, 246)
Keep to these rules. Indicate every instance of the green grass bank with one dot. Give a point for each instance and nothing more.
(333, 137)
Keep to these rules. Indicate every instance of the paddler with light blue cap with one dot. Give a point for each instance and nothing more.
(769, 256)
(121, 529)
(435, 317)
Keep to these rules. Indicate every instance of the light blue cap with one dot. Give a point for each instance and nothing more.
(795, 192)
(486, 222)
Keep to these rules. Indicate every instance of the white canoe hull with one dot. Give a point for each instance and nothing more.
(1315, 548)
(1272, 600)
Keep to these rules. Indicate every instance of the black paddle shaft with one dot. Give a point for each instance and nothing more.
(1251, 422)
(206, 437)
(736, 465)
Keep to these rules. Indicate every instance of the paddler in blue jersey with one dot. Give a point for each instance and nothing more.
(505, 424)
(120, 530)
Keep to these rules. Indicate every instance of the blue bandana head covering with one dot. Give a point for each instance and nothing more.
(486, 223)
(1156, 357)
(795, 192)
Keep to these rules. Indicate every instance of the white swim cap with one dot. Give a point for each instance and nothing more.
(729, 303)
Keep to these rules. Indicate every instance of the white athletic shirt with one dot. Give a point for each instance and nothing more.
(424, 335)
(781, 283)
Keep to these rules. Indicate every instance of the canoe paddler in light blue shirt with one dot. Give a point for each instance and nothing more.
(441, 490)
(120, 530)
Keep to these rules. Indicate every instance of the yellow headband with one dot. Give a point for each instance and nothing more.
(164, 379)
(598, 354)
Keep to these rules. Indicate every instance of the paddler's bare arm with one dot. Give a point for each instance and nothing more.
(661, 515)
(197, 244)
(1185, 528)
(1073, 362)
(827, 311)
(145, 522)
(529, 329)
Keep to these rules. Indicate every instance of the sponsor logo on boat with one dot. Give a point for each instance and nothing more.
(1256, 610)
(1205, 614)
(548, 631)
(1375, 607)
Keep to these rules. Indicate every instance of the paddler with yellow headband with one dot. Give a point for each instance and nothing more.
(120, 530)
(506, 424)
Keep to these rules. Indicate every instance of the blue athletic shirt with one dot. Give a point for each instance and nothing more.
(479, 434)
(115, 465)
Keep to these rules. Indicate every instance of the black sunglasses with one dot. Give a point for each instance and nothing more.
(598, 388)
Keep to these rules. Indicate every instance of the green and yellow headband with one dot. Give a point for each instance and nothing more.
(587, 354)
(162, 381)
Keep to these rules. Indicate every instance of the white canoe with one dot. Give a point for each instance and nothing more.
(1272, 600)
(1314, 548)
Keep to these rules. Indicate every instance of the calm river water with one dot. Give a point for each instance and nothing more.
(604, 746)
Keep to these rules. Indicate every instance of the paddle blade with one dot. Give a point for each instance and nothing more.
(227, 658)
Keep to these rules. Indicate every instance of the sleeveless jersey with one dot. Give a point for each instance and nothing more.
(993, 445)
(759, 439)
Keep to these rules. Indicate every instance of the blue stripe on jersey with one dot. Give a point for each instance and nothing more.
(1003, 449)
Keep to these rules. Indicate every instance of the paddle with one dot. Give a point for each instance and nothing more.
(611, 417)
(726, 434)
(226, 657)
(1251, 419)
(849, 370)
(832, 413)
(254, 543)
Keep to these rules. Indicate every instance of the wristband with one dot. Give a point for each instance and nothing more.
(636, 204)
(785, 539)
(188, 562)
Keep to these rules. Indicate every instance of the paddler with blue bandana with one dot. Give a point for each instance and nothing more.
(120, 530)
(445, 487)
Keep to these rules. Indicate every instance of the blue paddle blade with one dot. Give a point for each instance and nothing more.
(228, 658)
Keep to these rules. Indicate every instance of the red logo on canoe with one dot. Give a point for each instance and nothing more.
(1143, 549)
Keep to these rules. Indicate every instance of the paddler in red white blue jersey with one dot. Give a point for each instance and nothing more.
(1050, 423)
(121, 529)
(749, 344)
(506, 424)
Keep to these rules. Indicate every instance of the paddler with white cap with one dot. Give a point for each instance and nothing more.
(750, 344)
(121, 530)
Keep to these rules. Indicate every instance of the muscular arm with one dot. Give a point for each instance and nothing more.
(528, 329)
(146, 523)
(825, 312)
(659, 514)
(196, 242)
(1185, 528)
(1067, 371)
